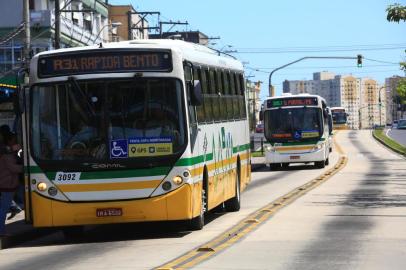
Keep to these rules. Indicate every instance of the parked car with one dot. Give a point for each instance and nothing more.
(259, 128)
(401, 124)
(395, 124)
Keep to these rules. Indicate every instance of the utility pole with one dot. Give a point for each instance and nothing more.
(271, 88)
(27, 24)
(171, 23)
(142, 16)
(57, 25)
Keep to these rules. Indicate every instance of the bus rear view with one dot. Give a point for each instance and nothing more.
(297, 129)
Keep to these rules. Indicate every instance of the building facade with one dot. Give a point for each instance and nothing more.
(393, 106)
(359, 97)
(133, 26)
(253, 90)
(83, 22)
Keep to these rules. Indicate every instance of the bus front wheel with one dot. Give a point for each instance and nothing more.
(320, 164)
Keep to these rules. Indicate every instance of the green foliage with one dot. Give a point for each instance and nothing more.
(396, 13)
(401, 90)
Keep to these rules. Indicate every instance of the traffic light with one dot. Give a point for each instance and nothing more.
(359, 60)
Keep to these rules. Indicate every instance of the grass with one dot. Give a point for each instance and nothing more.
(380, 135)
(257, 154)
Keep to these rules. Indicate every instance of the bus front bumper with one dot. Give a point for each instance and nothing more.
(304, 157)
(176, 205)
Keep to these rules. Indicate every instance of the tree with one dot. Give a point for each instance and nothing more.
(396, 13)
(401, 93)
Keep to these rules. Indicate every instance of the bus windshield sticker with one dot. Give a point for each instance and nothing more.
(150, 146)
(119, 149)
(297, 135)
(310, 134)
(91, 62)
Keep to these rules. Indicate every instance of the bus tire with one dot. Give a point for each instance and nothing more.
(197, 223)
(274, 166)
(320, 164)
(234, 204)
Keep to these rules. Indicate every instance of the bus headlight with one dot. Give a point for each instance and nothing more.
(166, 186)
(177, 180)
(317, 147)
(270, 148)
(42, 186)
(52, 191)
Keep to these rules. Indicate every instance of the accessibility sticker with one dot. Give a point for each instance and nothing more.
(150, 146)
(118, 148)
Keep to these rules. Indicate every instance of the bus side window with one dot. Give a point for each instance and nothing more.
(243, 107)
(199, 109)
(236, 109)
(229, 96)
(222, 97)
(207, 104)
(214, 95)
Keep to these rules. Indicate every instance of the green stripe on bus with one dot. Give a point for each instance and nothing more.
(240, 148)
(194, 160)
(110, 174)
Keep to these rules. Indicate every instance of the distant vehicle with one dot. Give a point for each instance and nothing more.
(339, 117)
(259, 128)
(395, 124)
(297, 129)
(401, 124)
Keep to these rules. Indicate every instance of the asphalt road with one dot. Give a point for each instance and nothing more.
(355, 220)
(398, 135)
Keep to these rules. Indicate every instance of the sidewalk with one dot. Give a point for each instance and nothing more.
(18, 232)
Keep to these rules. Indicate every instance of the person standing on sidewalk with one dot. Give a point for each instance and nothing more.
(9, 170)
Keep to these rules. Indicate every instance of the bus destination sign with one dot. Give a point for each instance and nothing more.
(92, 62)
(274, 103)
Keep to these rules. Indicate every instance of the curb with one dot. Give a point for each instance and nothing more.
(387, 146)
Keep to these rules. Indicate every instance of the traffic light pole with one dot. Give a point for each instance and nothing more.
(271, 88)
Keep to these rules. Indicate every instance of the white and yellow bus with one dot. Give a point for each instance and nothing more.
(339, 118)
(297, 129)
(150, 130)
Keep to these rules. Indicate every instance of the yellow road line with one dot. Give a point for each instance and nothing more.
(247, 225)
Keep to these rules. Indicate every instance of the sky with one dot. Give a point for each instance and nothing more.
(267, 34)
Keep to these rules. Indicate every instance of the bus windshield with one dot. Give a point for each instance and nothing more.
(293, 124)
(339, 117)
(107, 120)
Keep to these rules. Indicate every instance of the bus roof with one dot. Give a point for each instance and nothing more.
(192, 52)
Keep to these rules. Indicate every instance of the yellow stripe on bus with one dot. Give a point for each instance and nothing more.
(109, 186)
(293, 148)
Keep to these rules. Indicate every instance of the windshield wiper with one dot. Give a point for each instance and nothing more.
(74, 83)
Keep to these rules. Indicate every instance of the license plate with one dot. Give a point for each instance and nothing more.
(109, 212)
(294, 157)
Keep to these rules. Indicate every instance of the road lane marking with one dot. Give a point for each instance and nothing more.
(250, 223)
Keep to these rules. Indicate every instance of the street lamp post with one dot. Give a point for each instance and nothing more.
(113, 25)
(380, 106)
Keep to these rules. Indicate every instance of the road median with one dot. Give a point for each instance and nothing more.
(381, 137)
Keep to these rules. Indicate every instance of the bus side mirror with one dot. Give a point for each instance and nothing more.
(196, 97)
(19, 100)
(261, 115)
